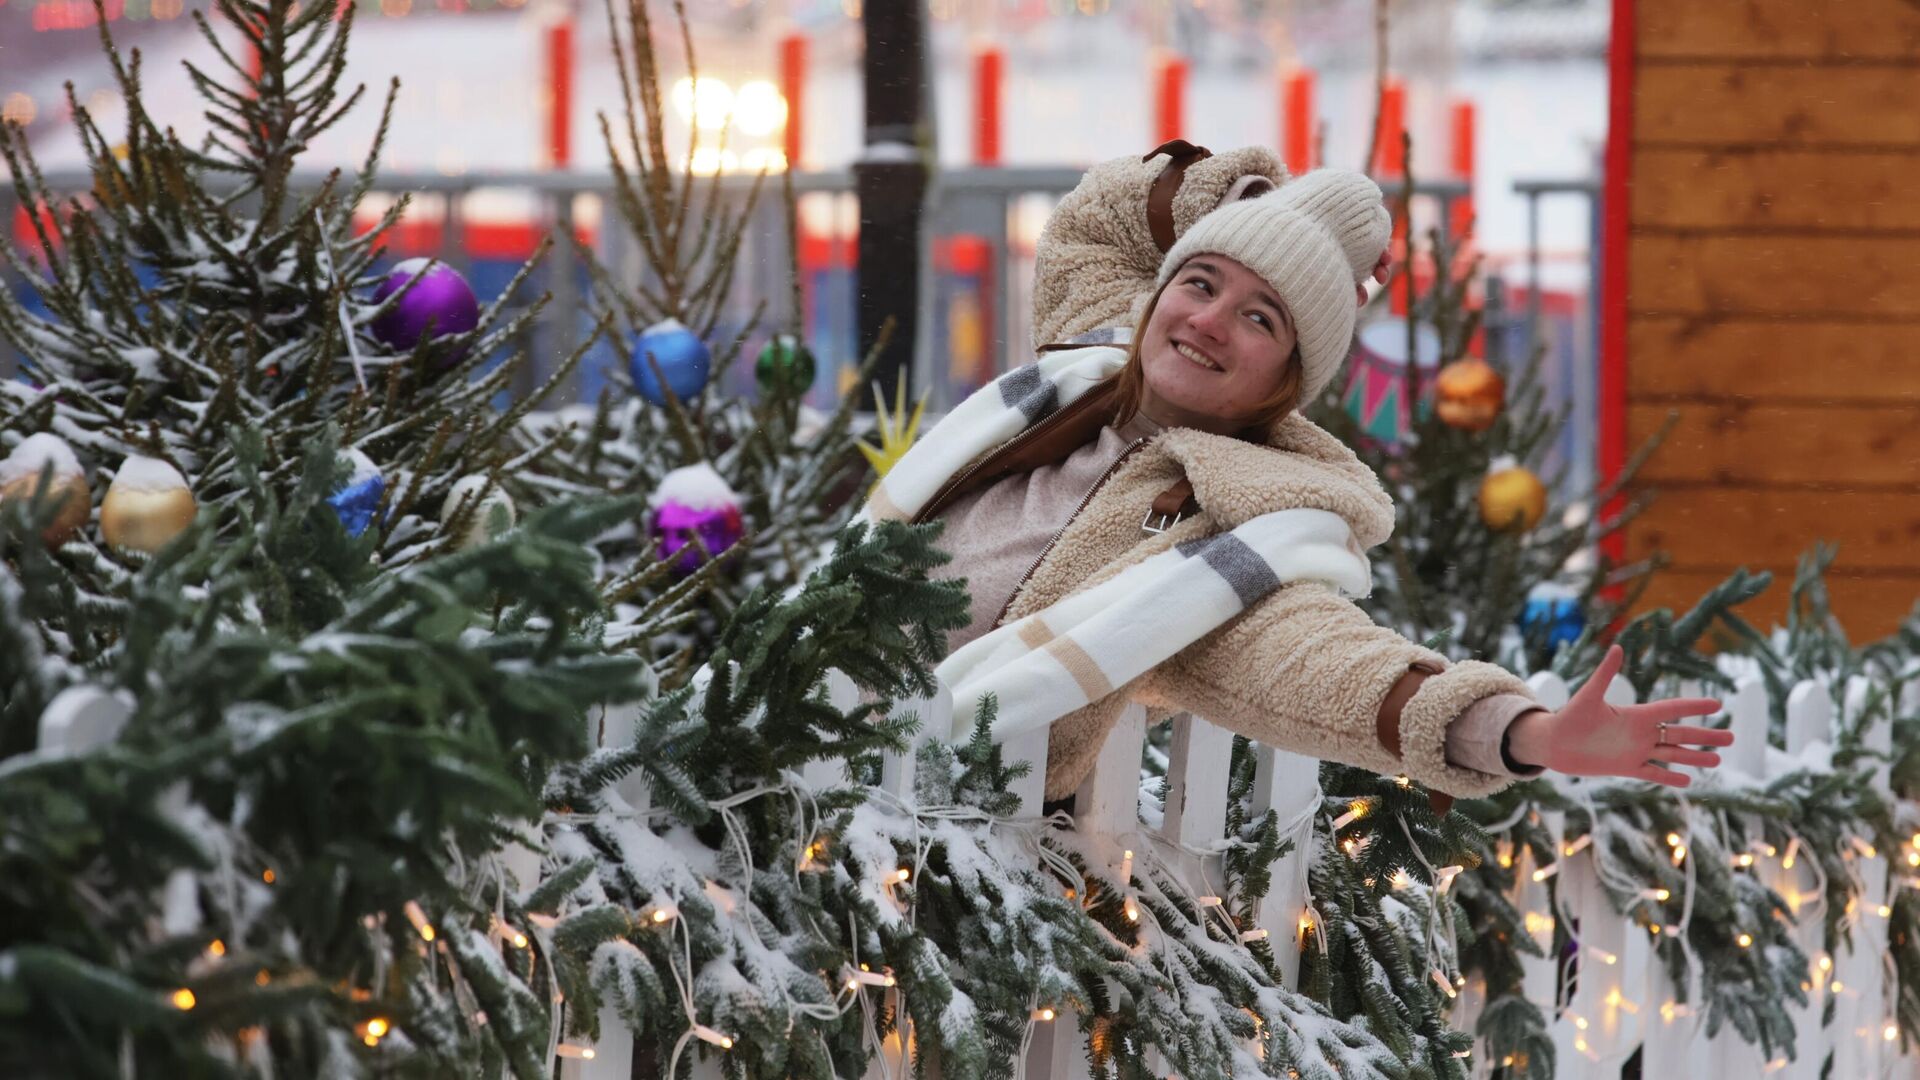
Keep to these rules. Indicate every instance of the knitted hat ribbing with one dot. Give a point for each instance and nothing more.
(1310, 241)
(1350, 205)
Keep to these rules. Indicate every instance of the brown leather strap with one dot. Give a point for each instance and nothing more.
(1180, 154)
(1177, 500)
(1387, 724)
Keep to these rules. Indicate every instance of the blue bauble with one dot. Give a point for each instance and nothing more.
(1555, 611)
(683, 359)
(358, 499)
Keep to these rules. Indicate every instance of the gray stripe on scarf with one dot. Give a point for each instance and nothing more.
(1024, 388)
(1233, 560)
(1104, 335)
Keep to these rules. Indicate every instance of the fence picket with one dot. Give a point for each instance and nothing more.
(1199, 758)
(1750, 720)
(1540, 979)
(612, 1055)
(1809, 721)
(1106, 811)
(1030, 747)
(1861, 1043)
(615, 730)
(843, 695)
(1289, 785)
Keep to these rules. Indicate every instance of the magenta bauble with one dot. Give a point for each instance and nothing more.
(442, 301)
(694, 502)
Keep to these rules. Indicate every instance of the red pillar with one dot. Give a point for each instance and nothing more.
(989, 74)
(560, 94)
(1297, 107)
(1390, 163)
(1612, 422)
(1170, 99)
(793, 84)
(1464, 120)
(1389, 157)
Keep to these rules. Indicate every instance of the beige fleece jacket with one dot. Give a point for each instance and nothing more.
(1303, 670)
(996, 533)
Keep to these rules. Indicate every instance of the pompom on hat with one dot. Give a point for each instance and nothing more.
(1310, 241)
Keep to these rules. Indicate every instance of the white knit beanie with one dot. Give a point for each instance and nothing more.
(1310, 241)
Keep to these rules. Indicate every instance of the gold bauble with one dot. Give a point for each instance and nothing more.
(20, 473)
(147, 505)
(1468, 394)
(74, 496)
(1512, 500)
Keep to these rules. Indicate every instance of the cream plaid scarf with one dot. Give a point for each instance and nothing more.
(1083, 648)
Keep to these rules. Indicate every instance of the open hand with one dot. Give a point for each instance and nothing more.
(1588, 737)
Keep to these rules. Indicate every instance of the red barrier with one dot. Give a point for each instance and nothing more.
(1464, 119)
(1170, 100)
(1389, 153)
(793, 85)
(560, 95)
(989, 73)
(1297, 107)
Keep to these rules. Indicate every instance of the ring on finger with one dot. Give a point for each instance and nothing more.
(1662, 729)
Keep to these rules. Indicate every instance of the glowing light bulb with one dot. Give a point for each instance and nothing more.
(759, 108)
(183, 999)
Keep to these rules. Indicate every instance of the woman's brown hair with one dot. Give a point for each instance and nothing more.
(1132, 384)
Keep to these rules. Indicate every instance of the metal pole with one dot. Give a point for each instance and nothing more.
(891, 181)
(1533, 271)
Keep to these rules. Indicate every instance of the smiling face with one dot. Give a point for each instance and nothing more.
(1216, 349)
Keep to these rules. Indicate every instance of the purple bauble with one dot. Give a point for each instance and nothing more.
(443, 298)
(694, 501)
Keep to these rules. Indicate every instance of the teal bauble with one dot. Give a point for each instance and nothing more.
(785, 368)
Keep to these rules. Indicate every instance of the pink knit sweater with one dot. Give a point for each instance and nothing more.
(998, 533)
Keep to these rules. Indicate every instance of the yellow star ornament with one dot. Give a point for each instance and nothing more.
(897, 430)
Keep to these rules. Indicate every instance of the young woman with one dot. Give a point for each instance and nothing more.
(1156, 522)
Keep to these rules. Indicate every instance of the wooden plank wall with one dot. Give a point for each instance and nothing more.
(1774, 295)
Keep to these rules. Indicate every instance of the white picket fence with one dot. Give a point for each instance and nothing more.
(1621, 1000)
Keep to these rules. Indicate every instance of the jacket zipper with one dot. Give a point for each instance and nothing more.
(1087, 498)
(922, 517)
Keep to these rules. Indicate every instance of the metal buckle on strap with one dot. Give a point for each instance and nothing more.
(1148, 525)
